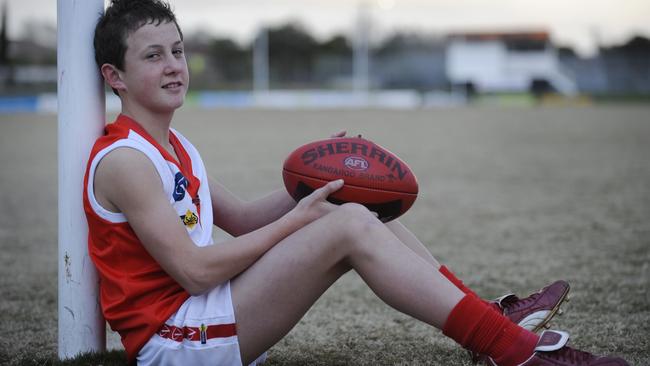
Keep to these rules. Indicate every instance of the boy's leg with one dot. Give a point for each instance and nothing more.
(411, 241)
(532, 312)
(273, 294)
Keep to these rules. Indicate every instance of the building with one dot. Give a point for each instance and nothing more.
(506, 62)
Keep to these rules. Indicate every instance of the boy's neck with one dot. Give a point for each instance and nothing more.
(157, 125)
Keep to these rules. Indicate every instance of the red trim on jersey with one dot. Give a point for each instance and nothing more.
(186, 168)
(184, 163)
(178, 334)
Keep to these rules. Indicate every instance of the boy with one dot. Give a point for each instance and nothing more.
(176, 298)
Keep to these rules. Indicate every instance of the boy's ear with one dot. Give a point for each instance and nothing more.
(113, 77)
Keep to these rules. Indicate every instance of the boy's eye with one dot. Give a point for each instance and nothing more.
(152, 55)
(178, 52)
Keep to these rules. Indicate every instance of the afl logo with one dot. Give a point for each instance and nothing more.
(356, 163)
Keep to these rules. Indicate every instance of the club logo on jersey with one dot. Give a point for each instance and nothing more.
(180, 186)
(190, 219)
(356, 163)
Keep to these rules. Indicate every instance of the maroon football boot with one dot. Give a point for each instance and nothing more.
(551, 350)
(533, 312)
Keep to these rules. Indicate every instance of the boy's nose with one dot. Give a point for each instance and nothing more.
(173, 66)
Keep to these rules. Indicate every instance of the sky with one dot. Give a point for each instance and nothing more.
(581, 24)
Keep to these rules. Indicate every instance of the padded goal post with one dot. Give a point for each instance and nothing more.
(81, 118)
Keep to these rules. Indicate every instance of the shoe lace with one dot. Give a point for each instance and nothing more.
(568, 354)
(514, 303)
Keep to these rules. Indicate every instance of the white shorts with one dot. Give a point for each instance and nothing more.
(201, 332)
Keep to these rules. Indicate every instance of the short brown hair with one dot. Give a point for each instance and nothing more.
(123, 17)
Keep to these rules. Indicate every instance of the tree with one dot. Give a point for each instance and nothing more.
(338, 45)
(231, 61)
(292, 52)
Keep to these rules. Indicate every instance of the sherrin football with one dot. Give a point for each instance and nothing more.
(374, 176)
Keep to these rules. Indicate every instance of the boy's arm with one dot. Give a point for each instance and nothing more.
(128, 182)
(238, 217)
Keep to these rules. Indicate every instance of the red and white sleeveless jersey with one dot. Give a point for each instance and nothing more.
(136, 294)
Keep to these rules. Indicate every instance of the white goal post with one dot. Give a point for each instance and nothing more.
(81, 118)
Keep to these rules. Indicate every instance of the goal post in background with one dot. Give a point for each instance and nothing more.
(81, 118)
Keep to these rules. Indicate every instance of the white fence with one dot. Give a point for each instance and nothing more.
(277, 99)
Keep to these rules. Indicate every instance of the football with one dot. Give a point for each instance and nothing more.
(374, 176)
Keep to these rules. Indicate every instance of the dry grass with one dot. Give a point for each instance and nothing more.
(510, 199)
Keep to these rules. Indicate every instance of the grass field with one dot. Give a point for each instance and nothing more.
(511, 199)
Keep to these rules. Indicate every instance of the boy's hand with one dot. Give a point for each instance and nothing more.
(316, 205)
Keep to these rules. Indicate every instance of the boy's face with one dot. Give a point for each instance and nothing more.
(155, 75)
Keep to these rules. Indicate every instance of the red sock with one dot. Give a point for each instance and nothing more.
(461, 286)
(475, 326)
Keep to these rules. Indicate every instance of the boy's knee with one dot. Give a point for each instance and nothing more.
(355, 219)
(353, 211)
